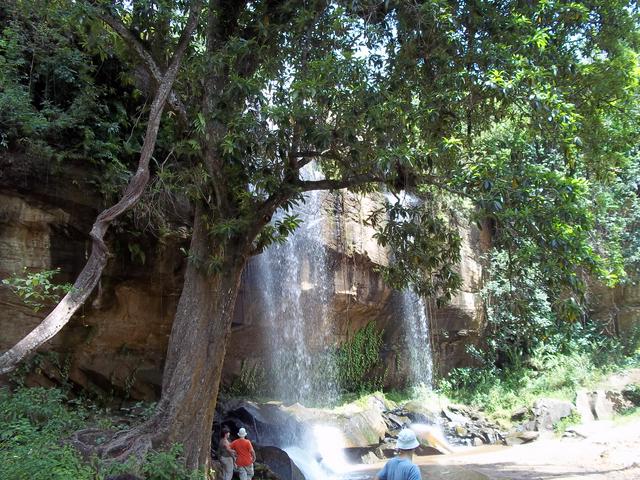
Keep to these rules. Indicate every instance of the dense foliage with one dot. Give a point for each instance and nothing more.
(61, 99)
(34, 424)
(535, 124)
(357, 361)
(571, 361)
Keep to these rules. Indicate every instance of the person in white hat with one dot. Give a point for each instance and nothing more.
(245, 455)
(401, 467)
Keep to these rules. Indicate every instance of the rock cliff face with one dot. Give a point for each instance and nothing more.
(359, 296)
(618, 308)
(117, 344)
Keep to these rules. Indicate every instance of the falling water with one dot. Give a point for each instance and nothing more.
(418, 339)
(295, 288)
(323, 457)
(416, 322)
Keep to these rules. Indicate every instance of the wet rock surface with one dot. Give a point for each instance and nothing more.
(278, 463)
(369, 432)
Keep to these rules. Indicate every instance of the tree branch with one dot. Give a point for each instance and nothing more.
(309, 185)
(90, 274)
(146, 59)
(308, 156)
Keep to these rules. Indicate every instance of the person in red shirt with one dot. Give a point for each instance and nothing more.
(245, 455)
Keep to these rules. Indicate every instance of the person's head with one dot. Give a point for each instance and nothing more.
(224, 432)
(407, 441)
(242, 432)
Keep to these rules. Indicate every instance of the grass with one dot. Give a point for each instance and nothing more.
(560, 427)
(499, 393)
(34, 423)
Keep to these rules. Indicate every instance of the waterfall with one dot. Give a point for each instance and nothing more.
(295, 286)
(416, 322)
(323, 456)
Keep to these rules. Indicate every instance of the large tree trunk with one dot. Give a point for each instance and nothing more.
(197, 348)
(195, 356)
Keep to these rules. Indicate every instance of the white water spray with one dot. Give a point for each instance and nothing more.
(295, 288)
(323, 458)
(416, 321)
(418, 339)
(432, 435)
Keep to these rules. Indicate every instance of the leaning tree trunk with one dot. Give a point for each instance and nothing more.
(195, 356)
(90, 274)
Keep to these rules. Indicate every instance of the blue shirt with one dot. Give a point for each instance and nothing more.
(399, 468)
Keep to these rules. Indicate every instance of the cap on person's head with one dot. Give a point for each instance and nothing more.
(242, 433)
(407, 440)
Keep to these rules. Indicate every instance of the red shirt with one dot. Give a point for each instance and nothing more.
(244, 449)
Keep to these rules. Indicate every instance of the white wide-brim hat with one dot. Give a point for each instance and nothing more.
(407, 440)
(242, 432)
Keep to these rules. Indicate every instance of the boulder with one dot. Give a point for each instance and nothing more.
(520, 414)
(369, 458)
(455, 417)
(418, 412)
(465, 426)
(268, 424)
(619, 401)
(426, 450)
(602, 406)
(575, 431)
(272, 424)
(518, 438)
(632, 394)
(396, 421)
(360, 427)
(387, 448)
(548, 411)
(364, 428)
(279, 463)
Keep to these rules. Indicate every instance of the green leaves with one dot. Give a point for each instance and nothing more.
(519, 310)
(49, 90)
(35, 424)
(36, 289)
(32, 423)
(424, 247)
(536, 209)
(357, 360)
(521, 107)
(276, 232)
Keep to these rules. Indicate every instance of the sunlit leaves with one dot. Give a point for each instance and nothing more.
(277, 232)
(536, 210)
(519, 106)
(425, 249)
